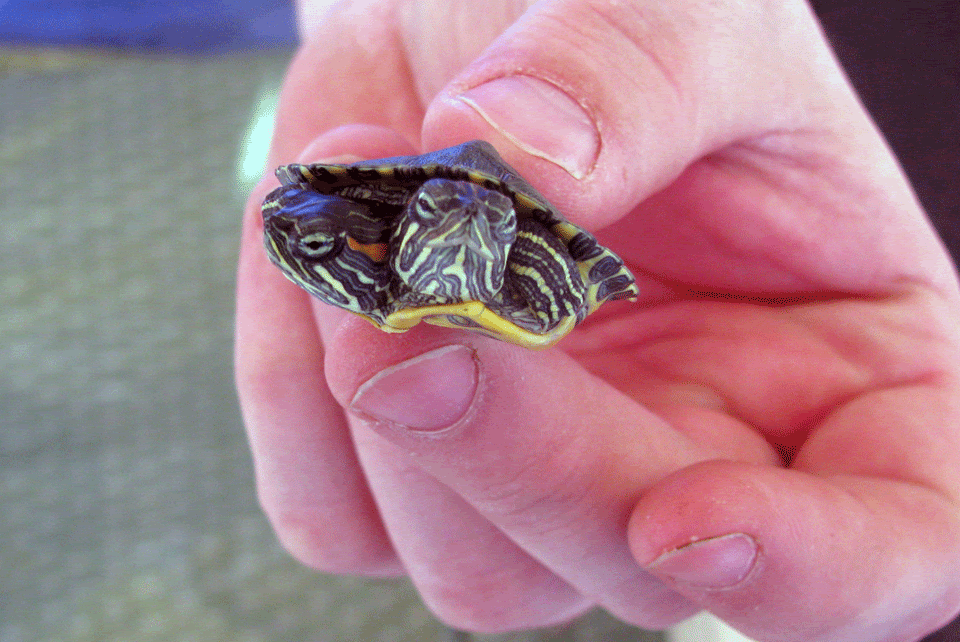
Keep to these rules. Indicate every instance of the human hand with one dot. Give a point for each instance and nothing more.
(770, 434)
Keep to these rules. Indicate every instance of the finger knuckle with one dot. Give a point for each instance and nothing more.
(495, 602)
(327, 548)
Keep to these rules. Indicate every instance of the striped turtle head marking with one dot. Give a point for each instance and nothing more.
(453, 240)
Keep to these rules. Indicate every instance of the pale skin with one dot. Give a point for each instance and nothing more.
(771, 433)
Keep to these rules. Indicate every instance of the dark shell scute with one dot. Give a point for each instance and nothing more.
(604, 268)
(547, 217)
(321, 174)
(583, 247)
(410, 173)
(326, 175)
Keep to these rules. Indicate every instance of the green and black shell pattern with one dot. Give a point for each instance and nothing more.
(454, 237)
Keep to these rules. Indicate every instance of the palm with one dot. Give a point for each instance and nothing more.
(755, 322)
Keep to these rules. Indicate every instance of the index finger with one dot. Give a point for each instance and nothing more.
(309, 480)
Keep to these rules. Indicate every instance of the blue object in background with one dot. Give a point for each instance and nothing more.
(197, 26)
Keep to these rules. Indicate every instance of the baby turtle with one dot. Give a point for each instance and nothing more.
(455, 238)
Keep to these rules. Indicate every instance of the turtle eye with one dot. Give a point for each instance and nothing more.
(425, 208)
(315, 246)
(501, 214)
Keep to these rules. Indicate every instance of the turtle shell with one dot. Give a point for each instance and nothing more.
(454, 237)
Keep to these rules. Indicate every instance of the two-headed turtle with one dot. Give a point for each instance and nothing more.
(455, 238)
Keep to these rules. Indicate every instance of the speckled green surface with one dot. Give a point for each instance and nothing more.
(128, 507)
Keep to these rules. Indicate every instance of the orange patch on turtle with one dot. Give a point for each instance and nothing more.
(376, 251)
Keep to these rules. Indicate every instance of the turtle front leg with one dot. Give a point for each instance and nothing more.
(543, 284)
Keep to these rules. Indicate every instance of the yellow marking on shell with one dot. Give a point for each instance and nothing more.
(376, 251)
(489, 321)
(565, 231)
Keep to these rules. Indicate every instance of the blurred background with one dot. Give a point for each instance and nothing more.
(129, 136)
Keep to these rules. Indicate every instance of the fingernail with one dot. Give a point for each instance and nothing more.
(539, 118)
(719, 562)
(429, 392)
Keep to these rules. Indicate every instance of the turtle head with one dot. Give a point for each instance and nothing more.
(319, 242)
(463, 214)
(453, 239)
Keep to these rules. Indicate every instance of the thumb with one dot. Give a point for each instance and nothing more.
(608, 102)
